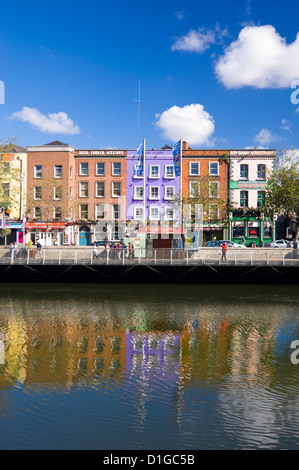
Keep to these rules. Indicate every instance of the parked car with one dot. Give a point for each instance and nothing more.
(212, 243)
(231, 244)
(281, 244)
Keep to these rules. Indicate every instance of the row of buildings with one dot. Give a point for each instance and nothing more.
(68, 196)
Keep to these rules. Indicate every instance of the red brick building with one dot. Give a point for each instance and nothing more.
(50, 192)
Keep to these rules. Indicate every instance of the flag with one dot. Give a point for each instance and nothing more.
(140, 162)
(176, 152)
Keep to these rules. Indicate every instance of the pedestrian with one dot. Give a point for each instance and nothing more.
(224, 250)
(11, 250)
(15, 250)
(107, 249)
(39, 248)
(95, 251)
(131, 250)
(119, 250)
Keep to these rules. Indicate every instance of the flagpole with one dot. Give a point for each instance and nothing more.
(144, 205)
(181, 182)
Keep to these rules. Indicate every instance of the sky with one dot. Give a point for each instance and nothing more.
(220, 75)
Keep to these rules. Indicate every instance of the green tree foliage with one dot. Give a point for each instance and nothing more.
(283, 187)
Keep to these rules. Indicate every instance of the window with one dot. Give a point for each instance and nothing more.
(37, 192)
(83, 169)
(38, 171)
(194, 168)
(57, 192)
(261, 172)
(71, 192)
(169, 192)
(244, 172)
(268, 229)
(6, 190)
(254, 229)
(37, 213)
(154, 213)
(58, 171)
(136, 167)
(138, 192)
(154, 171)
(154, 192)
(213, 189)
(116, 189)
(243, 198)
(213, 211)
(169, 213)
(99, 211)
(214, 168)
(83, 211)
(83, 189)
(194, 189)
(57, 213)
(100, 189)
(115, 211)
(71, 172)
(6, 167)
(169, 171)
(116, 169)
(138, 213)
(100, 169)
(260, 198)
(238, 228)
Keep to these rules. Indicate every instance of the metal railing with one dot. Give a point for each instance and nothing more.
(159, 256)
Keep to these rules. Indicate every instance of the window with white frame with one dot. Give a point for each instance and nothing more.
(154, 213)
(57, 213)
(154, 171)
(138, 213)
(194, 168)
(100, 211)
(213, 189)
(138, 192)
(214, 168)
(37, 213)
(244, 171)
(194, 187)
(100, 189)
(57, 171)
(116, 189)
(83, 189)
(154, 192)
(261, 171)
(83, 169)
(115, 211)
(135, 172)
(57, 192)
(213, 211)
(169, 171)
(38, 171)
(71, 172)
(116, 168)
(100, 169)
(169, 213)
(169, 192)
(37, 192)
(83, 211)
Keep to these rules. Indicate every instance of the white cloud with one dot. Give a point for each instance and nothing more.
(260, 58)
(191, 123)
(53, 123)
(179, 15)
(194, 41)
(286, 125)
(265, 137)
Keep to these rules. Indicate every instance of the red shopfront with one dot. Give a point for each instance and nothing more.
(49, 233)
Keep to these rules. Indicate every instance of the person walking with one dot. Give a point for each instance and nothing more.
(95, 251)
(107, 250)
(224, 250)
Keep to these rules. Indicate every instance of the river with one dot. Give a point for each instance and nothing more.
(138, 367)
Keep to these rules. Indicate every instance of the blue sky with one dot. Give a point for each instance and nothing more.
(217, 74)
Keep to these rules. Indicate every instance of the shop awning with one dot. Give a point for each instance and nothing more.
(46, 225)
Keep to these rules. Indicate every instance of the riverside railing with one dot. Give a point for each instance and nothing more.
(159, 256)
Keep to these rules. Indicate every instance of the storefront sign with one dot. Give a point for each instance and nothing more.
(8, 157)
(45, 225)
(248, 185)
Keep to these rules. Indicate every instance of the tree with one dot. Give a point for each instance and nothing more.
(283, 188)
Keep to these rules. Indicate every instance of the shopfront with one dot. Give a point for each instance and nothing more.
(49, 233)
(260, 230)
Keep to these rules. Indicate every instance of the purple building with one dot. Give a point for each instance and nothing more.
(161, 187)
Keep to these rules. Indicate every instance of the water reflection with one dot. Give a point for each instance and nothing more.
(187, 368)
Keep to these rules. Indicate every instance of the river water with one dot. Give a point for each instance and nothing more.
(148, 367)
